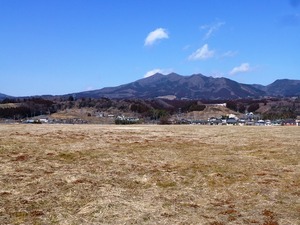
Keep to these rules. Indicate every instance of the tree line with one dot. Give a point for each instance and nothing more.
(154, 109)
(26, 107)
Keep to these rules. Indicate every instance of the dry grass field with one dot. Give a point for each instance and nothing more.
(96, 174)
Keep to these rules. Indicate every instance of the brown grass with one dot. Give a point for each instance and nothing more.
(95, 174)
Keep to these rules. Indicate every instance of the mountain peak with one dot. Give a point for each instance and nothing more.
(196, 86)
(3, 96)
(284, 87)
(157, 75)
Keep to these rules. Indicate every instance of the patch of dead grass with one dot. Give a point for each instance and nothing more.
(95, 174)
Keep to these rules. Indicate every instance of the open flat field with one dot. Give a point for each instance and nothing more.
(95, 174)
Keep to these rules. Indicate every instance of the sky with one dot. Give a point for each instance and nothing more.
(65, 46)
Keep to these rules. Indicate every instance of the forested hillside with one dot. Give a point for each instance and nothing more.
(151, 109)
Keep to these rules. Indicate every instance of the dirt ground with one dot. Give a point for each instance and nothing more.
(149, 174)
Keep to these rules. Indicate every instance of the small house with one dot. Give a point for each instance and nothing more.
(289, 122)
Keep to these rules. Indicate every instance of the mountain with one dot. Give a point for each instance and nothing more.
(3, 96)
(284, 87)
(196, 86)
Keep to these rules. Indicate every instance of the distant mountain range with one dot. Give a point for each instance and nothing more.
(3, 96)
(196, 86)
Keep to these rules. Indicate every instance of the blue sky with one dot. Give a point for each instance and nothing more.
(65, 46)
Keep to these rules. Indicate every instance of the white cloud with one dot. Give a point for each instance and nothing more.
(211, 29)
(243, 68)
(154, 71)
(159, 33)
(202, 53)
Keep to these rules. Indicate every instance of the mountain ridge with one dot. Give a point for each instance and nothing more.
(3, 96)
(195, 86)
